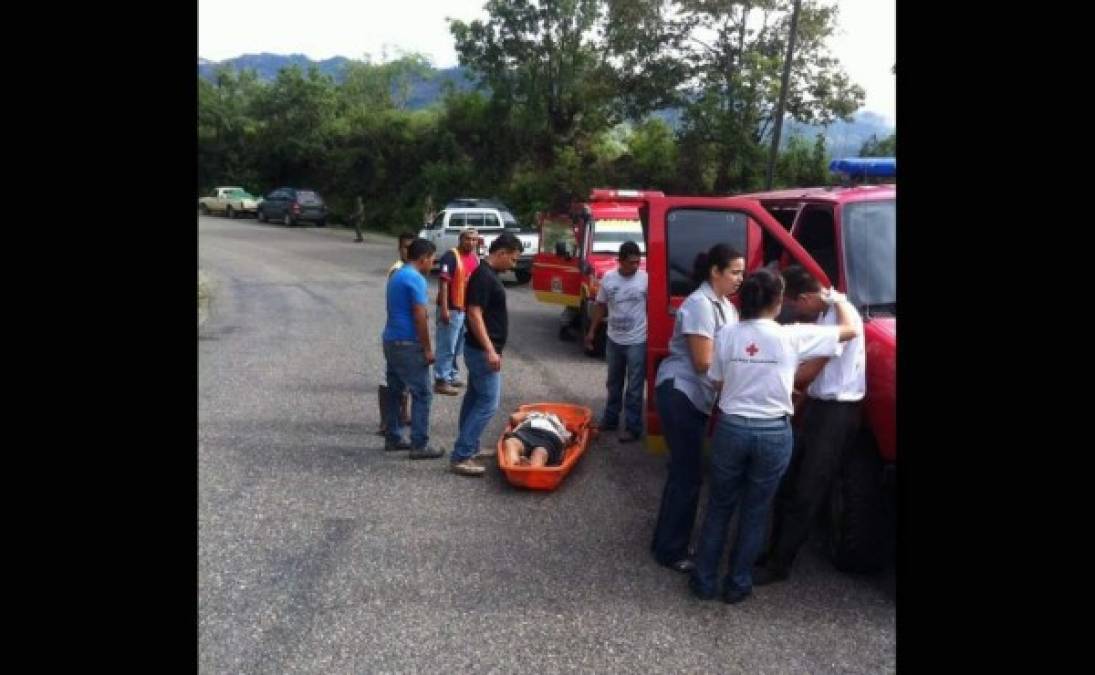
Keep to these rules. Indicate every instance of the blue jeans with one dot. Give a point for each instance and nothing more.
(629, 360)
(684, 427)
(407, 369)
(484, 392)
(450, 342)
(749, 457)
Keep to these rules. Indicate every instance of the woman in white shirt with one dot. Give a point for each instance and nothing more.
(684, 396)
(754, 364)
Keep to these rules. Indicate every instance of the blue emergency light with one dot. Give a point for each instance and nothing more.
(865, 167)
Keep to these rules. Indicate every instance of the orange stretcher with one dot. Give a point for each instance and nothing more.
(577, 419)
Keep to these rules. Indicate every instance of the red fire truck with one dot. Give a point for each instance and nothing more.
(844, 237)
(578, 248)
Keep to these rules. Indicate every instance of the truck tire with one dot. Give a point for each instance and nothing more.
(523, 276)
(260, 215)
(856, 515)
(203, 209)
(229, 212)
(599, 339)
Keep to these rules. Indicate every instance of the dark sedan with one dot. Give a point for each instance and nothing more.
(291, 206)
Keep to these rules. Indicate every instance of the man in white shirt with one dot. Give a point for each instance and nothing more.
(623, 294)
(830, 424)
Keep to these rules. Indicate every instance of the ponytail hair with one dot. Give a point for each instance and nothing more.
(718, 256)
(759, 291)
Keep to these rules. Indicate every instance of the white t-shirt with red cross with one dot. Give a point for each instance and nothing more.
(756, 361)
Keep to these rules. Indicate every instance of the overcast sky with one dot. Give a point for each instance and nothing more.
(865, 40)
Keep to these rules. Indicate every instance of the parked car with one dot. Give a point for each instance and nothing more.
(230, 201)
(490, 218)
(293, 205)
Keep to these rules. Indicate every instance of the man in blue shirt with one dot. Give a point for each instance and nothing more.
(408, 352)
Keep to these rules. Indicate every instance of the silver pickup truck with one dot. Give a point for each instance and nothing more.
(490, 221)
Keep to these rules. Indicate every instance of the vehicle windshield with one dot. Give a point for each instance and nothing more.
(308, 197)
(609, 234)
(870, 250)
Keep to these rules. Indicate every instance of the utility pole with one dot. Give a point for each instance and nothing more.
(782, 95)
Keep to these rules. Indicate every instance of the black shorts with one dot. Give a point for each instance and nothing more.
(538, 438)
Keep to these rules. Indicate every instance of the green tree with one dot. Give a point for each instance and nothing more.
(872, 147)
(543, 62)
(384, 85)
(654, 151)
(801, 163)
(226, 130)
(734, 51)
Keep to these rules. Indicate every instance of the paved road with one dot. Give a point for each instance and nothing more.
(321, 553)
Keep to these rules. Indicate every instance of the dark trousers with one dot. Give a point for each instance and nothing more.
(828, 427)
(684, 428)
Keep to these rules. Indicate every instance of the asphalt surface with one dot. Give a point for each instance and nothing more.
(321, 553)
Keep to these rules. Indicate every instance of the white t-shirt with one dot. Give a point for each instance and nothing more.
(844, 377)
(626, 300)
(756, 361)
(699, 314)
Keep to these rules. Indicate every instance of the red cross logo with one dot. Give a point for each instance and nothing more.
(752, 349)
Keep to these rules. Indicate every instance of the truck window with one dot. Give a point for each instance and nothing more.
(870, 254)
(457, 221)
(609, 234)
(557, 230)
(785, 215)
(689, 232)
(816, 232)
(491, 221)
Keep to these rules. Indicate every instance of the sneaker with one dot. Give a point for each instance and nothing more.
(630, 437)
(484, 453)
(444, 388)
(762, 576)
(456, 383)
(684, 566)
(468, 468)
(393, 447)
(426, 453)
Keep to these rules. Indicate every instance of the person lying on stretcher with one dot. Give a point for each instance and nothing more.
(537, 439)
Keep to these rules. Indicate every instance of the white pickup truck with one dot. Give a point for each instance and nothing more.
(444, 231)
(231, 201)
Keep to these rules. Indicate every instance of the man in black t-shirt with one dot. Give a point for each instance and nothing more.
(488, 326)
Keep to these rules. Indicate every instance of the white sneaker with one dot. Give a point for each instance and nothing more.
(468, 468)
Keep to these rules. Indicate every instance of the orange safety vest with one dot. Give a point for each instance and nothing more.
(459, 282)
